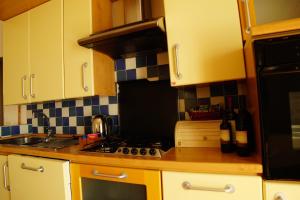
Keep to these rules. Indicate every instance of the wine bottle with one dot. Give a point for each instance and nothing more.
(226, 135)
(231, 117)
(244, 133)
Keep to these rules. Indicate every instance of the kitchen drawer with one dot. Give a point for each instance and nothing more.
(210, 186)
(281, 190)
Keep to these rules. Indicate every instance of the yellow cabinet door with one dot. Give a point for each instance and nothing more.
(33, 178)
(78, 60)
(46, 51)
(4, 186)
(191, 186)
(288, 190)
(204, 41)
(16, 60)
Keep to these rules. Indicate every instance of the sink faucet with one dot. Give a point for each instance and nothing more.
(50, 133)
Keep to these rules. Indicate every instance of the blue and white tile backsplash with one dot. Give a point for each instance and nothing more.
(74, 116)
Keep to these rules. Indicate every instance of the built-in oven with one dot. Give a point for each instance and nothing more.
(278, 72)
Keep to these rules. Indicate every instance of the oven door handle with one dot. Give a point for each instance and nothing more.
(278, 70)
(121, 176)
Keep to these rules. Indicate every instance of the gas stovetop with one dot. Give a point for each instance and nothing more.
(149, 148)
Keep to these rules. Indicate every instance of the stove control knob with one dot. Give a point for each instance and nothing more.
(152, 152)
(134, 151)
(125, 150)
(143, 151)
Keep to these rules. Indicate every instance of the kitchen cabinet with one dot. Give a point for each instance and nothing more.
(268, 16)
(190, 186)
(204, 41)
(87, 72)
(281, 190)
(91, 182)
(38, 178)
(33, 50)
(4, 189)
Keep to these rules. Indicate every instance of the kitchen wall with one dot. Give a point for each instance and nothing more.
(74, 116)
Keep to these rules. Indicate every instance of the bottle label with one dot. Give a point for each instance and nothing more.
(225, 135)
(241, 137)
(233, 129)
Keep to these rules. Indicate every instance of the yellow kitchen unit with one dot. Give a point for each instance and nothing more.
(4, 186)
(87, 72)
(281, 190)
(190, 186)
(204, 41)
(33, 178)
(90, 181)
(33, 55)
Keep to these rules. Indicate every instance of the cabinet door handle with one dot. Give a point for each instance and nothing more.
(5, 170)
(84, 85)
(227, 189)
(176, 61)
(39, 169)
(248, 17)
(32, 76)
(121, 176)
(279, 196)
(23, 87)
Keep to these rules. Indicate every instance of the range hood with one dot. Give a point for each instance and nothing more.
(131, 39)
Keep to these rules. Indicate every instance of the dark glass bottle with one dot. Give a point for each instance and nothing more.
(244, 130)
(231, 117)
(226, 135)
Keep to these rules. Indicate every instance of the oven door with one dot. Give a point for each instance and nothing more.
(280, 117)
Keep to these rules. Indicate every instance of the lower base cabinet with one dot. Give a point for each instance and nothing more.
(191, 186)
(4, 189)
(91, 182)
(281, 190)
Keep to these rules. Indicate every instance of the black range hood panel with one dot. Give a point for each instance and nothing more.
(129, 40)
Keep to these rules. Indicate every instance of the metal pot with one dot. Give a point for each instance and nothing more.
(102, 125)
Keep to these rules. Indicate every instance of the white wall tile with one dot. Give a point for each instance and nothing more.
(52, 121)
(10, 115)
(72, 121)
(130, 63)
(80, 129)
(58, 104)
(113, 109)
(65, 112)
(203, 92)
(141, 73)
(79, 102)
(40, 129)
(103, 100)
(59, 130)
(181, 105)
(24, 129)
(162, 58)
(87, 110)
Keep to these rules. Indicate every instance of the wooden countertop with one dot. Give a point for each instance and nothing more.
(206, 160)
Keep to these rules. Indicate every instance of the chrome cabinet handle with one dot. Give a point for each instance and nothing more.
(32, 76)
(84, 67)
(176, 53)
(5, 168)
(248, 17)
(279, 196)
(23, 87)
(39, 169)
(121, 176)
(227, 189)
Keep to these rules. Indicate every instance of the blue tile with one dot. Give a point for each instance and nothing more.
(58, 121)
(45, 105)
(204, 101)
(87, 129)
(65, 121)
(190, 103)
(33, 106)
(40, 121)
(163, 72)
(95, 100)
(119, 64)
(29, 121)
(5, 130)
(34, 130)
(190, 93)
(79, 111)
(131, 74)
(65, 103)
(151, 60)
(66, 130)
(30, 128)
(87, 101)
(73, 130)
(230, 88)
(95, 110)
(72, 111)
(112, 99)
(121, 75)
(115, 119)
(53, 129)
(141, 61)
(52, 112)
(80, 121)
(46, 122)
(58, 112)
(216, 89)
(181, 93)
(182, 115)
(45, 129)
(28, 107)
(72, 103)
(152, 71)
(52, 104)
(88, 121)
(235, 100)
(104, 110)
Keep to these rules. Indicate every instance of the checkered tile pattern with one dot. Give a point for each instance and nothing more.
(15, 130)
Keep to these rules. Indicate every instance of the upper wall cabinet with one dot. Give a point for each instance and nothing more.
(33, 49)
(268, 16)
(204, 41)
(87, 72)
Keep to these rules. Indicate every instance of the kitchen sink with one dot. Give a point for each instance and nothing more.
(42, 142)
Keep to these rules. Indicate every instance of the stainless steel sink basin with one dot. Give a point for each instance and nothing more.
(42, 142)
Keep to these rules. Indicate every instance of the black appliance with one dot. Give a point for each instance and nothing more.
(148, 112)
(278, 72)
